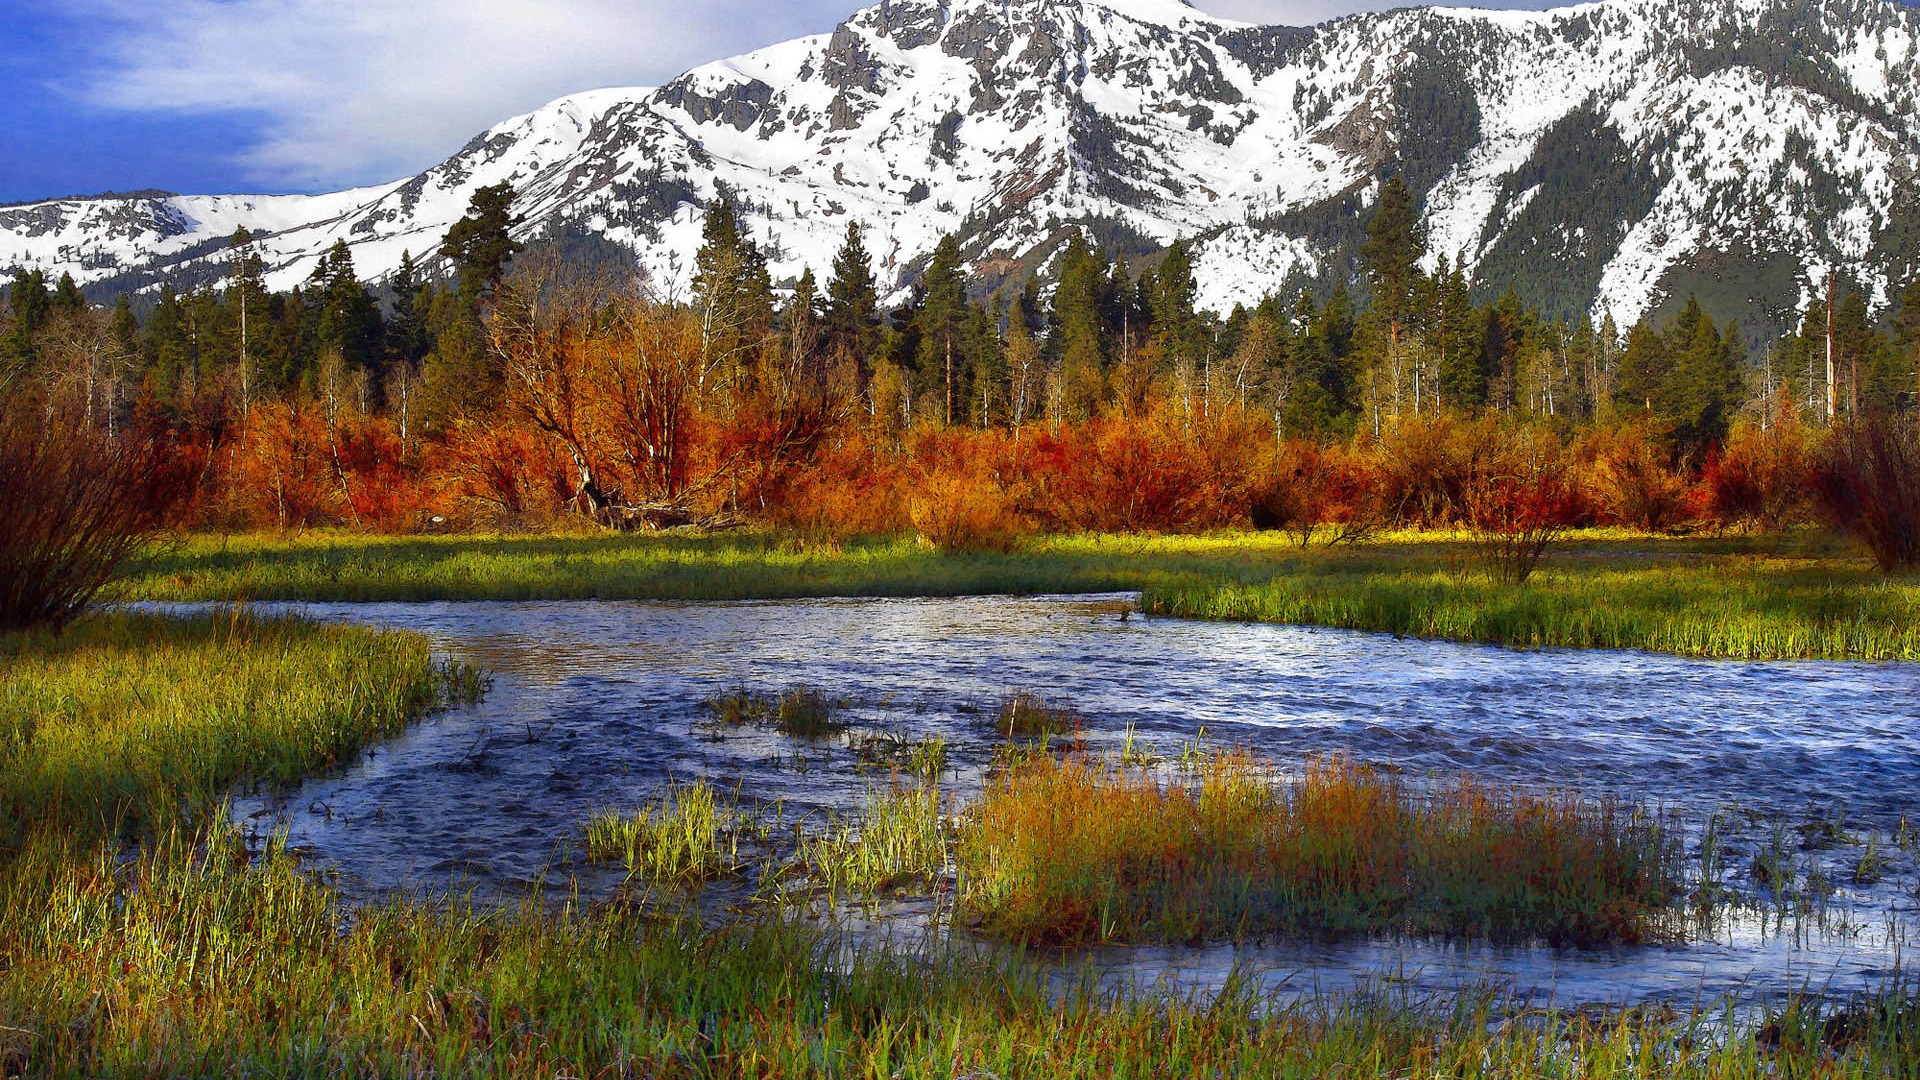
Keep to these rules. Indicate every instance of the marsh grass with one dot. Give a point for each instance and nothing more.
(1025, 714)
(896, 839)
(132, 721)
(803, 712)
(189, 953)
(685, 835)
(1780, 596)
(1747, 608)
(1084, 851)
(194, 960)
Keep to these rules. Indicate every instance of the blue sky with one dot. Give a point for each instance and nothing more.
(314, 95)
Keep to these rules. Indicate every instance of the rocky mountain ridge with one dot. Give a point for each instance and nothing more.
(1607, 157)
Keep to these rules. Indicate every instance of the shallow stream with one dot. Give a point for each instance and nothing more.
(595, 704)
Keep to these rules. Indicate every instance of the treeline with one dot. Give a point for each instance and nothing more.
(489, 385)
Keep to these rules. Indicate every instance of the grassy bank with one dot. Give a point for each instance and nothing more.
(138, 939)
(188, 964)
(1741, 607)
(1798, 596)
(144, 722)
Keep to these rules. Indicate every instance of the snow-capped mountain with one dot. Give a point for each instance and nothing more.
(1604, 156)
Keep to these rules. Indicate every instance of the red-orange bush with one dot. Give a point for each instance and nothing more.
(1521, 499)
(76, 504)
(1626, 468)
(1759, 478)
(1867, 476)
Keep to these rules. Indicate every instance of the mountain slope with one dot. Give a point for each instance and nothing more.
(1593, 157)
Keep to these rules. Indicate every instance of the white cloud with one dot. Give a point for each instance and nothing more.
(357, 91)
(360, 91)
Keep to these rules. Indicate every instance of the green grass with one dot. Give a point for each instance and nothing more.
(896, 840)
(1749, 608)
(1088, 852)
(685, 835)
(202, 963)
(144, 721)
(1804, 595)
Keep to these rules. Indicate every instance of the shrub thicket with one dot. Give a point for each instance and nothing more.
(78, 503)
(1867, 478)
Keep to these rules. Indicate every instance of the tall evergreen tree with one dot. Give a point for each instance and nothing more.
(30, 304)
(347, 321)
(944, 370)
(246, 293)
(67, 297)
(852, 300)
(1177, 332)
(1391, 253)
(1457, 332)
(407, 341)
(1907, 335)
(733, 295)
(480, 245)
(1076, 328)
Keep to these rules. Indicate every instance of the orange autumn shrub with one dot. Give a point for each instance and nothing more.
(1627, 470)
(1760, 479)
(1309, 487)
(1423, 467)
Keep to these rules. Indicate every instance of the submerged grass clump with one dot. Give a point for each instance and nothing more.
(896, 840)
(740, 707)
(1025, 714)
(684, 835)
(807, 713)
(800, 711)
(1081, 851)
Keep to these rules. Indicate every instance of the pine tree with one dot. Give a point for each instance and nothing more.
(407, 341)
(480, 245)
(170, 355)
(246, 289)
(67, 298)
(1907, 334)
(30, 303)
(1176, 330)
(852, 300)
(1458, 331)
(944, 370)
(1508, 334)
(1318, 401)
(1701, 387)
(348, 322)
(733, 295)
(1076, 323)
(1391, 253)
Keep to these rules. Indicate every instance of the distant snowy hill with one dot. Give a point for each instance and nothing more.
(1609, 156)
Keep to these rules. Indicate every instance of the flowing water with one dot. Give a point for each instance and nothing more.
(595, 704)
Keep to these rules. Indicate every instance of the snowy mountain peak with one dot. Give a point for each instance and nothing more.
(1609, 156)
